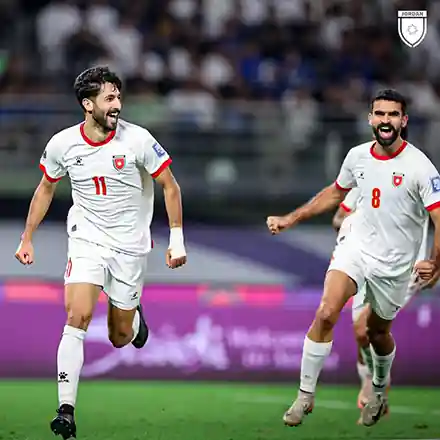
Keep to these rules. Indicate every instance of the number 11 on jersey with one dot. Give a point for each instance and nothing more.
(375, 198)
(100, 186)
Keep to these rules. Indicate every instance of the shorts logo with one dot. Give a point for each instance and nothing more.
(435, 184)
(159, 150)
(119, 162)
(398, 179)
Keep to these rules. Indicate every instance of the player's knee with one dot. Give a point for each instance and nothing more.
(120, 336)
(78, 318)
(327, 315)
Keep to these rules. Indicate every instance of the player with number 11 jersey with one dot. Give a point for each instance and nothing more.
(112, 184)
(112, 166)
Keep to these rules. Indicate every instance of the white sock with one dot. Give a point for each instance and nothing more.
(368, 359)
(313, 358)
(136, 324)
(70, 361)
(382, 370)
(363, 372)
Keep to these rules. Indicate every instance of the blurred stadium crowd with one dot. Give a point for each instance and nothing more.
(318, 61)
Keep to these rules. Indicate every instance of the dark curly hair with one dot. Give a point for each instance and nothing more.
(390, 95)
(88, 83)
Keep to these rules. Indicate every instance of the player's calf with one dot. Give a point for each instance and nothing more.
(383, 351)
(127, 326)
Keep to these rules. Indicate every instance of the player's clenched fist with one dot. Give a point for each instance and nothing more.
(277, 224)
(174, 263)
(176, 254)
(25, 252)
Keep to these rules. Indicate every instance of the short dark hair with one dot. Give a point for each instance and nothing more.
(88, 83)
(390, 95)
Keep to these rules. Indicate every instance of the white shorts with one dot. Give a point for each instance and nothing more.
(120, 275)
(359, 302)
(387, 295)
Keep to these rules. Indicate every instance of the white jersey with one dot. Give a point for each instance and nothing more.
(350, 205)
(395, 195)
(112, 184)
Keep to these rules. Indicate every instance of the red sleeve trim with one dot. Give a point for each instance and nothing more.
(341, 188)
(166, 164)
(345, 207)
(433, 206)
(50, 179)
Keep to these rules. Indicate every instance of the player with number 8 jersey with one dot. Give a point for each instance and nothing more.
(398, 189)
(396, 192)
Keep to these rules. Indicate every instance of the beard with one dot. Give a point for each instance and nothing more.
(107, 121)
(386, 134)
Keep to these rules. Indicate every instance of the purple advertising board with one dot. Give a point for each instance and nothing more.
(192, 340)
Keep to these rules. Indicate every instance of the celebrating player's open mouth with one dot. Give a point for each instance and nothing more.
(112, 116)
(385, 134)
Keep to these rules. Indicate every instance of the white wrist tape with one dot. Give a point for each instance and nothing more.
(177, 246)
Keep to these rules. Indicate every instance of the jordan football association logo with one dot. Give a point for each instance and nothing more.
(119, 162)
(412, 27)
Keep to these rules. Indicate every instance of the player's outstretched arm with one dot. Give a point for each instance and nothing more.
(329, 198)
(176, 255)
(37, 211)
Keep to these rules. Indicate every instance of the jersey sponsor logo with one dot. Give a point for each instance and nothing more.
(119, 162)
(159, 150)
(398, 179)
(435, 184)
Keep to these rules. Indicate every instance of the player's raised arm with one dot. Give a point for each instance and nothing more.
(43, 195)
(327, 199)
(156, 162)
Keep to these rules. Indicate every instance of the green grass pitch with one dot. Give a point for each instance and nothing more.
(210, 411)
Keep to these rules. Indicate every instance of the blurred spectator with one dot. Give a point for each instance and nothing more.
(216, 69)
(192, 106)
(101, 17)
(124, 43)
(55, 23)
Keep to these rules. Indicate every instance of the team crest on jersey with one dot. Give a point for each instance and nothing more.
(119, 162)
(398, 179)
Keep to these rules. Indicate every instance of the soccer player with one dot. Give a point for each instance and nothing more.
(360, 311)
(112, 166)
(398, 185)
